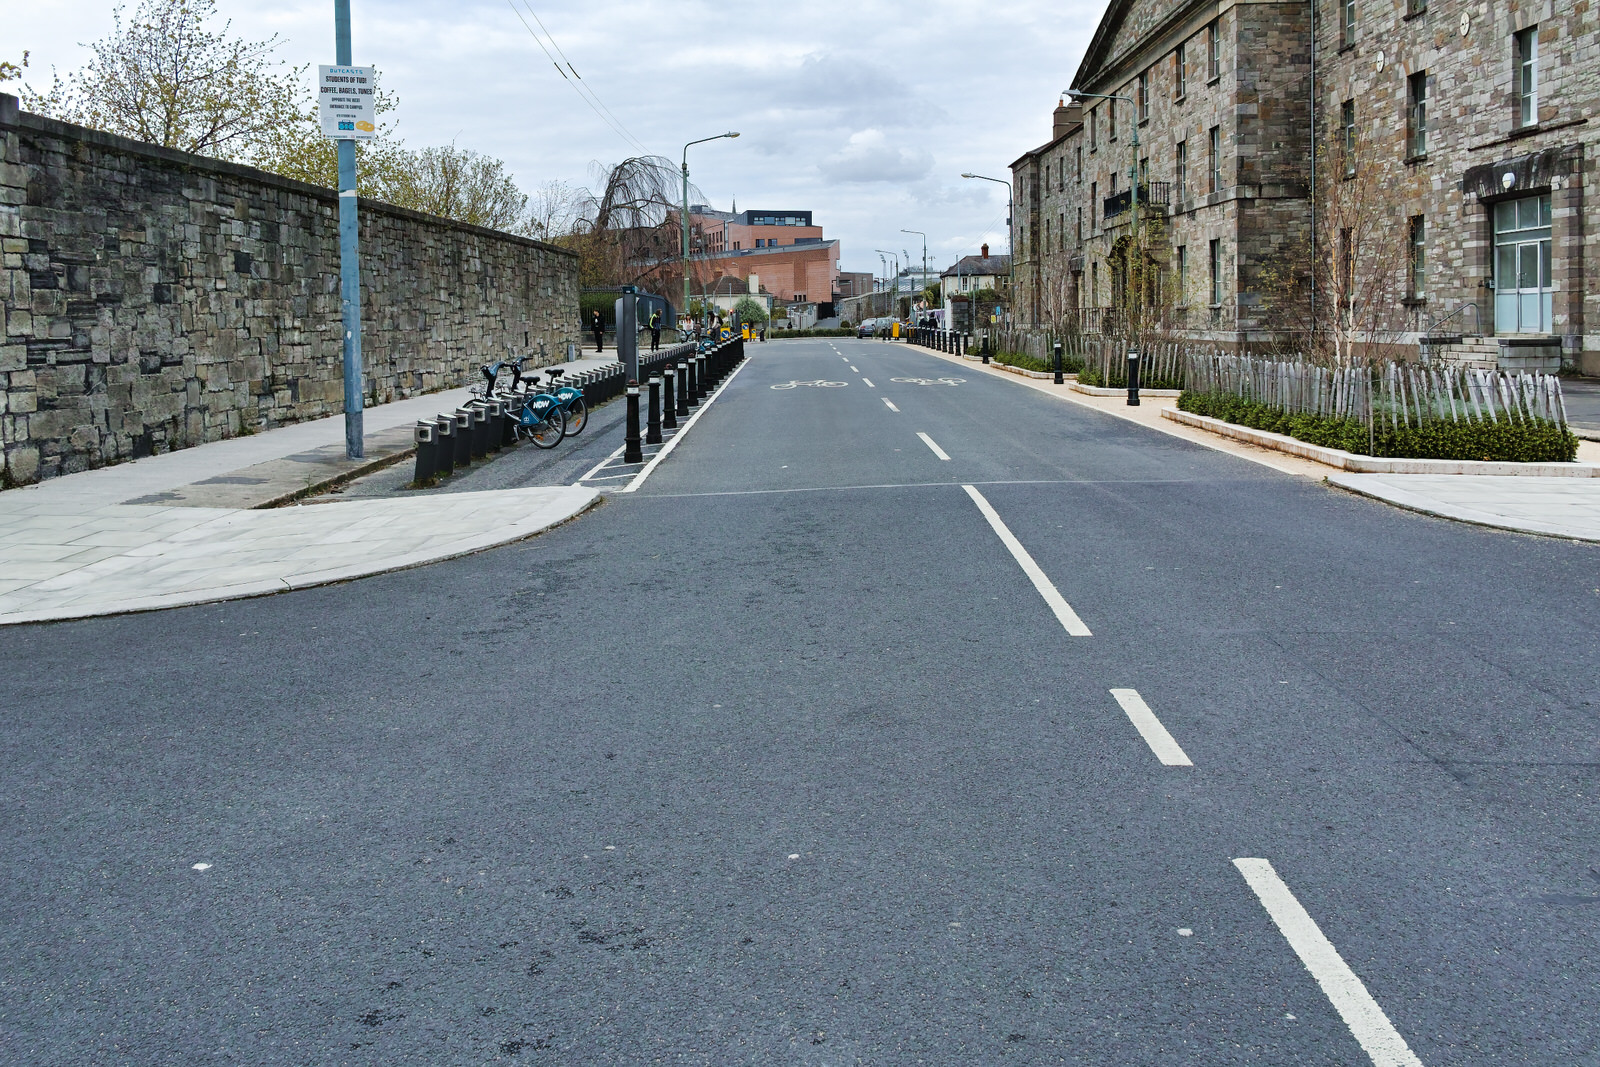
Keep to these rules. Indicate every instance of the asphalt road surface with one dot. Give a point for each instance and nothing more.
(792, 756)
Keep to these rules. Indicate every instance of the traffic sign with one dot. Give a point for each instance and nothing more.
(347, 102)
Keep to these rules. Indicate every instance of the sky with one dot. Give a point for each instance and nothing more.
(865, 113)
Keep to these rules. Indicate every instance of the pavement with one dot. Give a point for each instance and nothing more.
(187, 527)
(789, 756)
(1582, 399)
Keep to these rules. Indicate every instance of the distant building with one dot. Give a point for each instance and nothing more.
(790, 255)
(971, 273)
(855, 283)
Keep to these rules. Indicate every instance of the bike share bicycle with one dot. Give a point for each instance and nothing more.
(545, 418)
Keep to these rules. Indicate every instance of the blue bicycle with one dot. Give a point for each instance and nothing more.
(542, 418)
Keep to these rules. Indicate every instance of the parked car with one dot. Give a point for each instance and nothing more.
(866, 327)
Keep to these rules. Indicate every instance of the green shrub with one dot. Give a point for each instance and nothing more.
(1521, 441)
(1069, 364)
(828, 332)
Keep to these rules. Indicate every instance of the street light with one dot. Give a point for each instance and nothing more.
(894, 257)
(685, 309)
(1133, 145)
(1011, 243)
(924, 237)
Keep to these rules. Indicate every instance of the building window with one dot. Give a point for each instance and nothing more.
(1094, 284)
(1347, 23)
(1216, 273)
(1094, 132)
(1061, 230)
(1347, 140)
(1527, 60)
(1094, 201)
(1522, 288)
(1180, 72)
(1419, 258)
(1215, 161)
(1180, 176)
(1144, 96)
(1047, 235)
(1213, 53)
(1080, 225)
(1417, 114)
(1183, 272)
(1111, 121)
(736, 246)
(1416, 7)
(1144, 172)
(1080, 162)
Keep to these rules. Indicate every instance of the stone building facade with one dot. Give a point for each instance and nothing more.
(1241, 109)
(154, 300)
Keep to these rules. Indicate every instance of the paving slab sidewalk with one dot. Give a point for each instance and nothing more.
(1559, 507)
(186, 527)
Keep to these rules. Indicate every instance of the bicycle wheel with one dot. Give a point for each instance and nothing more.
(548, 431)
(577, 416)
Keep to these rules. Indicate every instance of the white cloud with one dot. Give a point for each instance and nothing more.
(855, 111)
(869, 156)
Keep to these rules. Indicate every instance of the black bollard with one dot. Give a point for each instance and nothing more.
(669, 410)
(700, 378)
(691, 389)
(631, 452)
(444, 453)
(497, 418)
(509, 412)
(683, 388)
(1057, 352)
(986, 349)
(426, 452)
(652, 433)
(1133, 378)
(480, 429)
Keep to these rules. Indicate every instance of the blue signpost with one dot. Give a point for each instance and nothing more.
(349, 260)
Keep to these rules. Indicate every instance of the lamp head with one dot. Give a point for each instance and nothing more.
(966, 175)
(731, 133)
(1507, 180)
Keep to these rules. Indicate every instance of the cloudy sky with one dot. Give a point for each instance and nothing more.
(864, 112)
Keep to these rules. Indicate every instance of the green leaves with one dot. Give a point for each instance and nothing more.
(1521, 441)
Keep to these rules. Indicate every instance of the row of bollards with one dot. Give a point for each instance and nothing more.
(952, 342)
(669, 394)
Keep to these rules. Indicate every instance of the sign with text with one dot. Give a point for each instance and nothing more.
(347, 102)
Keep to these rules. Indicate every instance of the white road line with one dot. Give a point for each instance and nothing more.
(856, 369)
(1155, 735)
(597, 466)
(666, 449)
(868, 383)
(887, 402)
(1058, 604)
(1350, 998)
(929, 442)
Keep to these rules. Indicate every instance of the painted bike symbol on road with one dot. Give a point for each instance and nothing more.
(930, 381)
(818, 384)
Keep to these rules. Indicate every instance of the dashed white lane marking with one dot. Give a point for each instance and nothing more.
(888, 403)
(1068, 618)
(1371, 1027)
(868, 383)
(936, 449)
(856, 369)
(1155, 735)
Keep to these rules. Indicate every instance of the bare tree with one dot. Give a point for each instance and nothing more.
(11, 71)
(553, 211)
(629, 230)
(166, 78)
(1359, 269)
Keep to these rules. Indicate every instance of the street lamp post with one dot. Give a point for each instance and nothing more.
(1011, 242)
(685, 220)
(894, 301)
(1133, 145)
(924, 237)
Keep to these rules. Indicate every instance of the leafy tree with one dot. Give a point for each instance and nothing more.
(749, 309)
(166, 78)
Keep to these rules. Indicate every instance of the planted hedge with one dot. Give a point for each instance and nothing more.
(831, 331)
(1516, 440)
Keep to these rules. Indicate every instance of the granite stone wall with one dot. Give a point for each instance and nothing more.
(154, 300)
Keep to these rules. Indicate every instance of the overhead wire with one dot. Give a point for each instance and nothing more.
(557, 46)
(615, 128)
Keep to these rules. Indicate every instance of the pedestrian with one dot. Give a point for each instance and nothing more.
(598, 328)
(655, 330)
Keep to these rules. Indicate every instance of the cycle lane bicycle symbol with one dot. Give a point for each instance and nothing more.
(930, 381)
(818, 384)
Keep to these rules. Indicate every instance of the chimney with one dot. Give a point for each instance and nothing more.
(985, 252)
(1064, 118)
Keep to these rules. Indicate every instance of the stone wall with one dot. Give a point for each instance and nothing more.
(154, 300)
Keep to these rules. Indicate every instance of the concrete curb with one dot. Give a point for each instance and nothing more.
(572, 502)
(1101, 390)
(1348, 461)
(1366, 486)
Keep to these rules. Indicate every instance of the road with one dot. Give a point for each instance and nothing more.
(786, 758)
